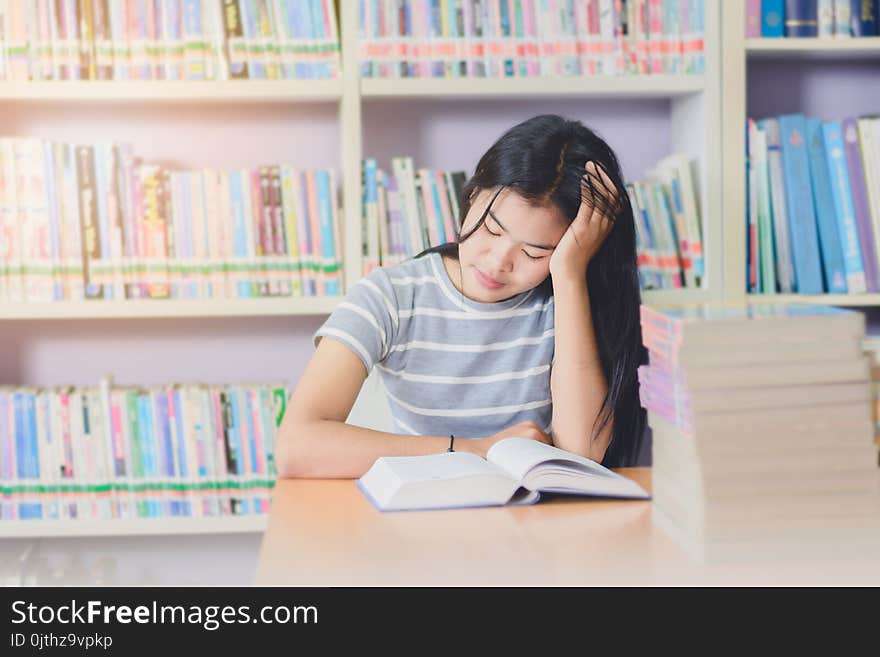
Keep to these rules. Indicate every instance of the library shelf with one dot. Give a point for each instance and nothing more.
(173, 308)
(866, 300)
(813, 48)
(175, 91)
(645, 86)
(677, 297)
(132, 527)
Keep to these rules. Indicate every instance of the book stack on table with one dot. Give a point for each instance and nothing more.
(762, 427)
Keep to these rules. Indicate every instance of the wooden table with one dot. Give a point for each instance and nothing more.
(324, 532)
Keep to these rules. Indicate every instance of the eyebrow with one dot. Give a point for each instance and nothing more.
(548, 247)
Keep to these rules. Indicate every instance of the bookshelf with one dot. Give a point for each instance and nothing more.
(803, 64)
(690, 121)
(132, 527)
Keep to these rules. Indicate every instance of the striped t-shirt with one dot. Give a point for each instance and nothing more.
(449, 365)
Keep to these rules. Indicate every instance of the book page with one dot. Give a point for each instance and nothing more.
(519, 455)
(448, 465)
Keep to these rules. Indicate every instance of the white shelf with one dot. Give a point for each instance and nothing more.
(865, 300)
(175, 91)
(132, 527)
(159, 308)
(648, 86)
(813, 48)
(675, 297)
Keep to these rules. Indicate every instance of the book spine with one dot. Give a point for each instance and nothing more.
(236, 45)
(841, 194)
(832, 254)
(863, 18)
(860, 202)
(772, 18)
(785, 273)
(293, 262)
(801, 18)
(799, 203)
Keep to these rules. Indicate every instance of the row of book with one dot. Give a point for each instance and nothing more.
(813, 211)
(407, 210)
(110, 451)
(93, 222)
(762, 430)
(168, 39)
(530, 38)
(669, 241)
(812, 18)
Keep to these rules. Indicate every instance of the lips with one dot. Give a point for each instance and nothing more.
(486, 280)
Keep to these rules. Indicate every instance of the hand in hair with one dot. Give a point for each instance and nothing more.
(590, 227)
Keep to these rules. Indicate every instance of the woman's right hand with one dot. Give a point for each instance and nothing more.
(527, 429)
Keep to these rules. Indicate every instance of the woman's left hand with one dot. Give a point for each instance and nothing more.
(590, 227)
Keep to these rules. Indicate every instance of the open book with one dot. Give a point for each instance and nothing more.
(515, 471)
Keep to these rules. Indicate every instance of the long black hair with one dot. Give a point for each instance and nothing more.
(543, 159)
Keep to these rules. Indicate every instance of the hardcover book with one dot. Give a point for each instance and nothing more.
(515, 471)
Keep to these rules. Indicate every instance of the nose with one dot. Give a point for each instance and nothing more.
(501, 255)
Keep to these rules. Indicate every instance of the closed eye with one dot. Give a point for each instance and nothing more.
(528, 255)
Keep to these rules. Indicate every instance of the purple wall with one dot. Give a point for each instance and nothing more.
(829, 89)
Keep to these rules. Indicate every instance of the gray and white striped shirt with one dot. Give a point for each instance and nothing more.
(449, 365)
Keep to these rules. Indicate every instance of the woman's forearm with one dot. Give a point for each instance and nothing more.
(577, 383)
(331, 449)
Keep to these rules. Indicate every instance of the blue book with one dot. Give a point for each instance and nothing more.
(863, 16)
(148, 445)
(312, 30)
(183, 466)
(844, 211)
(26, 451)
(236, 445)
(163, 445)
(325, 216)
(240, 215)
(785, 270)
(252, 39)
(438, 209)
(799, 202)
(801, 18)
(829, 237)
(250, 443)
(772, 18)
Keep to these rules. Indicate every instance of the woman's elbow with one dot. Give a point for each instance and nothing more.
(291, 458)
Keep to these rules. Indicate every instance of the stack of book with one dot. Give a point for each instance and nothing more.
(871, 345)
(813, 189)
(762, 430)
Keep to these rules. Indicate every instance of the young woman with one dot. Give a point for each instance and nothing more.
(527, 325)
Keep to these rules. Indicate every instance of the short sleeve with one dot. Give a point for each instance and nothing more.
(366, 321)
